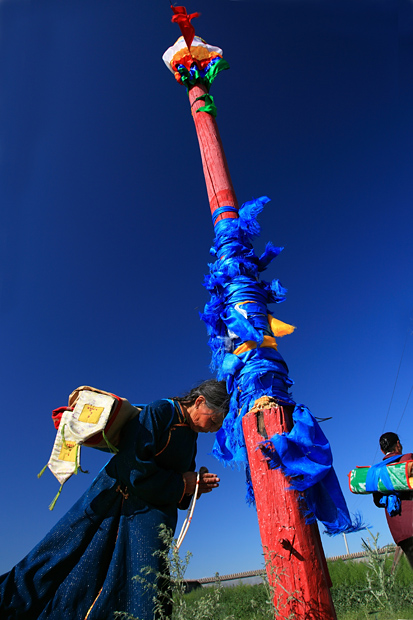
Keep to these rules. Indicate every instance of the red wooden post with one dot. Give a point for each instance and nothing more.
(295, 562)
(217, 177)
(297, 568)
(296, 565)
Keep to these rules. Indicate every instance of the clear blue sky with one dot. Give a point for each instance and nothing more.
(105, 229)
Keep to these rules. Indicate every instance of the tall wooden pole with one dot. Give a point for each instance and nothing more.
(295, 561)
(296, 565)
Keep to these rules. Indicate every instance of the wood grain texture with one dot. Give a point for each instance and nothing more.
(296, 565)
(217, 177)
(295, 560)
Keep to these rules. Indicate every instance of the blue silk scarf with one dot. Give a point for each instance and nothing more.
(244, 353)
(392, 501)
(304, 455)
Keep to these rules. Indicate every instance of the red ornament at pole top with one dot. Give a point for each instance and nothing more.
(183, 19)
(195, 65)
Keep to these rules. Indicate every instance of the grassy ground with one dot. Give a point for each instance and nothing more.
(240, 602)
(370, 590)
(252, 603)
(361, 591)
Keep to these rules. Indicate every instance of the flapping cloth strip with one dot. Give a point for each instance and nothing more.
(242, 336)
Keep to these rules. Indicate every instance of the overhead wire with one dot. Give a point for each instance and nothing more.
(356, 500)
(409, 333)
(395, 383)
(405, 407)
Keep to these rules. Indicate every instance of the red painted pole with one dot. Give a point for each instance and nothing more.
(295, 561)
(296, 567)
(217, 177)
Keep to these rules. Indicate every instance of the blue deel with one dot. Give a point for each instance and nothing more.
(85, 566)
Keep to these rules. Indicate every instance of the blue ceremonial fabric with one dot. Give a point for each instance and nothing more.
(379, 471)
(88, 560)
(304, 455)
(221, 210)
(236, 291)
(244, 353)
(391, 502)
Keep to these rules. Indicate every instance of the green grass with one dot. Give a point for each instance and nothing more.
(361, 591)
(365, 590)
(246, 602)
(243, 602)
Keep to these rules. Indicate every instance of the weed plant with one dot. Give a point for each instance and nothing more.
(361, 590)
(365, 590)
(242, 602)
(173, 593)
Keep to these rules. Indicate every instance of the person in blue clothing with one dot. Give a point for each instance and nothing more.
(83, 569)
(400, 521)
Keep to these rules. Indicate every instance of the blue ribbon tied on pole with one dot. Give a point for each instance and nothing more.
(242, 336)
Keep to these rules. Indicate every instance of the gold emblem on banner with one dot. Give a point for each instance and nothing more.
(90, 414)
(68, 452)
